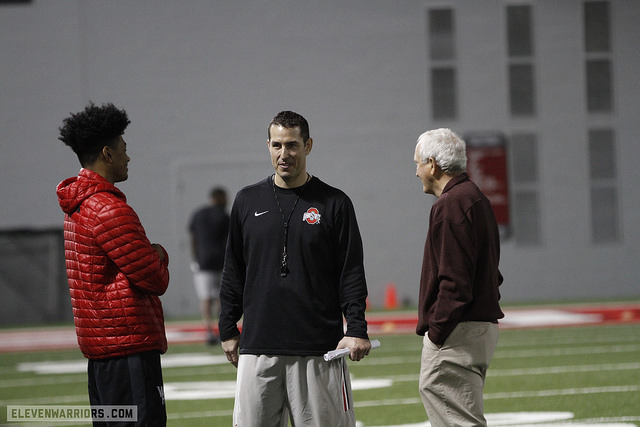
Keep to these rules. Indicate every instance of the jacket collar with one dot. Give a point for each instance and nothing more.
(455, 181)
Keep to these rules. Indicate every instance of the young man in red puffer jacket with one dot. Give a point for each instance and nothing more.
(115, 274)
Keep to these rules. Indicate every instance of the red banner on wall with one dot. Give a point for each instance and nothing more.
(487, 167)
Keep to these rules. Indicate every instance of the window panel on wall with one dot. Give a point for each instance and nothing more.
(526, 220)
(604, 214)
(521, 90)
(523, 151)
(441, 34)
(442, 68)
(605, 227)
(519, 31)
(602, 154)
(443, 93)
(605, 221)
(599, 86)
(596, 26)
(520, 50)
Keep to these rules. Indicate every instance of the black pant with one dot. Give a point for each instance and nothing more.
(130, 380)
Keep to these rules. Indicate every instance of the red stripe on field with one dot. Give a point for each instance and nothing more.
(379, 324)
(614, 314)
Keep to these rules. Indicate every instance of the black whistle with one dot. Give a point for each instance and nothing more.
(284, 269)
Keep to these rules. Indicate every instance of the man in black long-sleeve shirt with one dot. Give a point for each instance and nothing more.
(293, 269)
(458, 306)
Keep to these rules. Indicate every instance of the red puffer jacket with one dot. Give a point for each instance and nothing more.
(115, 275)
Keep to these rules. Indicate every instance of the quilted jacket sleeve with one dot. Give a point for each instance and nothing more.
(121, 236)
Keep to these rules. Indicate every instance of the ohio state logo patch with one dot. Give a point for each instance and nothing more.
(311, 216)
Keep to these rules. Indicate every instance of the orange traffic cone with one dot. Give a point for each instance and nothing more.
(391, 297)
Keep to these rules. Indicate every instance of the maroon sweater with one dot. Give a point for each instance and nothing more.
(460, 276)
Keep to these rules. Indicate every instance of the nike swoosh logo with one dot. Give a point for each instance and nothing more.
(259, 213)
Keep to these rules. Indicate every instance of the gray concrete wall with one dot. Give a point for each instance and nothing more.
(202, 79)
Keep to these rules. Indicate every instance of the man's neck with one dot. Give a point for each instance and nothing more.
(102, 171)
(301, 180)
(441, 184)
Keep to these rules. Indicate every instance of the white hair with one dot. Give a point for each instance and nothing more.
(447, 149)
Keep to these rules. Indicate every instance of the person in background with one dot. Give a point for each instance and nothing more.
(208, 230)
(293, 269)
(458, 304)
(115, 274)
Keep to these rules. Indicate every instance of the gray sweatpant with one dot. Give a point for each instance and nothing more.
(307, 391)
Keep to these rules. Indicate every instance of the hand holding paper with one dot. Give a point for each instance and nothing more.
(334, 354)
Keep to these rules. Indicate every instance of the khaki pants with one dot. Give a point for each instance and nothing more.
(452, 377)
(271, 390)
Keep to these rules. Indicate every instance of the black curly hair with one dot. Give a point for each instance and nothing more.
(290, 120)
(88, 131)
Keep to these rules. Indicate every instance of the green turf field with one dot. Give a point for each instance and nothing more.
(584, 376)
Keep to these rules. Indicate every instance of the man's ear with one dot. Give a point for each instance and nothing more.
(436, 170)
(106, 153)
(308, 145)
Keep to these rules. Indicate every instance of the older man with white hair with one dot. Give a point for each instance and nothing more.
(458, 306)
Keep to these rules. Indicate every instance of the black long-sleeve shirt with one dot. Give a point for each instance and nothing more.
(460, 275)
(300, 314)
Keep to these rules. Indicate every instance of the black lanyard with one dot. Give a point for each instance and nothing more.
(284, 266)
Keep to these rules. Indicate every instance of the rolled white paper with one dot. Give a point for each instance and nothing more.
(334, 354)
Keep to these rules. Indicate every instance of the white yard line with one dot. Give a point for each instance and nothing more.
(563, 392)
(544, 352)
(563, 369)
(513, 395)
(551, 370)
(202, 414)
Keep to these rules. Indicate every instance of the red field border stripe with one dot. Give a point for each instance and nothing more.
(32, 339)
(611, 314)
